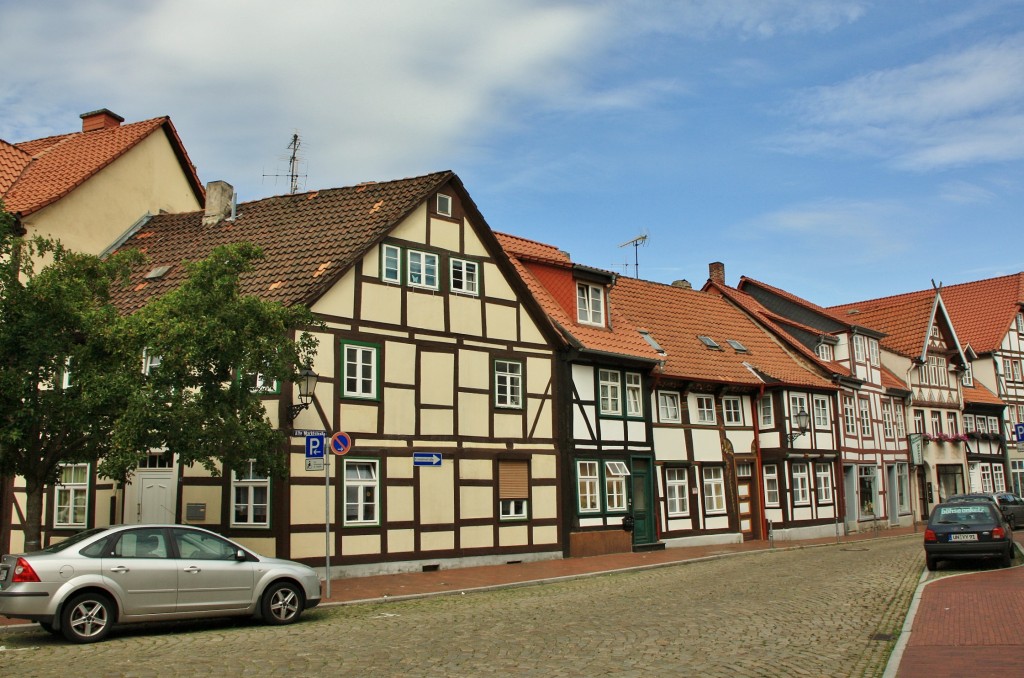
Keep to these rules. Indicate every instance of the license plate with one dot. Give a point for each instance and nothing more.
(963, 537)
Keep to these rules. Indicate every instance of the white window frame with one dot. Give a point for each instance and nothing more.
(823, 482)
(732, 411)
(714, 489)
(668, 407)
(986, 478)
(824, 351)
(259, 384)
(705, 409)
(246, 484)
(508, 384)
(864, 410)
(150, 361)
(513, 509)
(968, 423)
(464, 276)
(610, 392)
(901, 424)
(590, 304)
(887, 421)
(998, 478)
(873, 351)
(968, 378)
(797, 402)
(391, 273)
(634, 395)
(588, 479)
(356, 359)
(801, 483)
(858, 348)
(71, 496)
(771, 485)
(951, 425)
(993, 424)
(677, 491)
(615, 474)
(443, 205)
(767, 413)
(821, 413)
(422, 269)
(365, 477)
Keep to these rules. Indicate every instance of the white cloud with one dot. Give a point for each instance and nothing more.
(965, 192)
(745, 19)
(376, 89)
(953, 109)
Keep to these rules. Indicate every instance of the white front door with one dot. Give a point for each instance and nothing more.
(152, 494)
(156, 497)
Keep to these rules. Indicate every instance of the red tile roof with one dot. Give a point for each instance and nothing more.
(34, 174)
(978, 394)
(308, 239)
(548, 274)
(984, 310)
(903, 318)
(677, 316)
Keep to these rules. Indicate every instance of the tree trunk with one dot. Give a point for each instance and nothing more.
(33, 514)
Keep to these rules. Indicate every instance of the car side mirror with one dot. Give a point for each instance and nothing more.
(241, 555)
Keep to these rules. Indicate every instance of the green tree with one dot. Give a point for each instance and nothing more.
(208, 337)
(64, 376)
(72, 388)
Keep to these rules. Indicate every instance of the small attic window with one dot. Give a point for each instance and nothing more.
(444, 205)
(709, 342)
(157, 273)
(650, 340)
(737, 346)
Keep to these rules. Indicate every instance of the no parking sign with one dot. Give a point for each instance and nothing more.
(341, 443)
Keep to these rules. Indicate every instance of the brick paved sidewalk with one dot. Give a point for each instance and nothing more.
(966, 625)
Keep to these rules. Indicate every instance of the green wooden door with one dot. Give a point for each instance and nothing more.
(642, 501)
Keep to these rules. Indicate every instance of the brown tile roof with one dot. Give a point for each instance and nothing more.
(903, 318)
(308, 239)
(548, 275)
(984, 310)
(44, 170)
(676, 316)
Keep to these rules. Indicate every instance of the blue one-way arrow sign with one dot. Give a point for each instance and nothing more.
(426, 458)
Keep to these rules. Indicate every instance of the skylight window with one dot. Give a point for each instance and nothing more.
(650, 340)
(737, 346)
(709, 342)
(157, 272)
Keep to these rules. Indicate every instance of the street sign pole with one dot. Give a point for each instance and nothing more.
(327, 522)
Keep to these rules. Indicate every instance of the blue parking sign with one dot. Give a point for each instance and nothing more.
(1019, 430)
(314, 447)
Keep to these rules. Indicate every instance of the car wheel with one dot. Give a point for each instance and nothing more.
(282, 603)
(932, 563)
(1007, 558)
(87, 618)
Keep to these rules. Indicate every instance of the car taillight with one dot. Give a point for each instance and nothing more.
(23, 573)
(998, 533)
(929, 535)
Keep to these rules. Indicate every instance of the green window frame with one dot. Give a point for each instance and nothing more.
(360, 370)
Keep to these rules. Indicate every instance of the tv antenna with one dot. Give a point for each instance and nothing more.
(293, 165)
(636, 243)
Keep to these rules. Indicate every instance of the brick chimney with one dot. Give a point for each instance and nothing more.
(220, 198)
(716, 272)
(101, 119)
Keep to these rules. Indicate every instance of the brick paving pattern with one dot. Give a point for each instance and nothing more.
(831, 610)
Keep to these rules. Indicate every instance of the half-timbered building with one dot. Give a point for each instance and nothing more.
(433, 359)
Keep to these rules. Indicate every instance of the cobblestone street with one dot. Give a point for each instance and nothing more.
(824, 611)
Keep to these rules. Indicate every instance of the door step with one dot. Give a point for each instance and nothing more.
(656, 546)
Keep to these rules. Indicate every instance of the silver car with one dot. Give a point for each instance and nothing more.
(84, 585)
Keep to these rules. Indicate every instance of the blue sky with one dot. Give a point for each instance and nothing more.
(842, 150)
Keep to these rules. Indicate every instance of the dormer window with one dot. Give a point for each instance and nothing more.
(444, 205)
(824, 351)
(590, 304)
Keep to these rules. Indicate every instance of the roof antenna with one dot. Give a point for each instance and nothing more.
(636, 243)
(293, 165)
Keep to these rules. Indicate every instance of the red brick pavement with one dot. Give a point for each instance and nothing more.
(968, 625)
